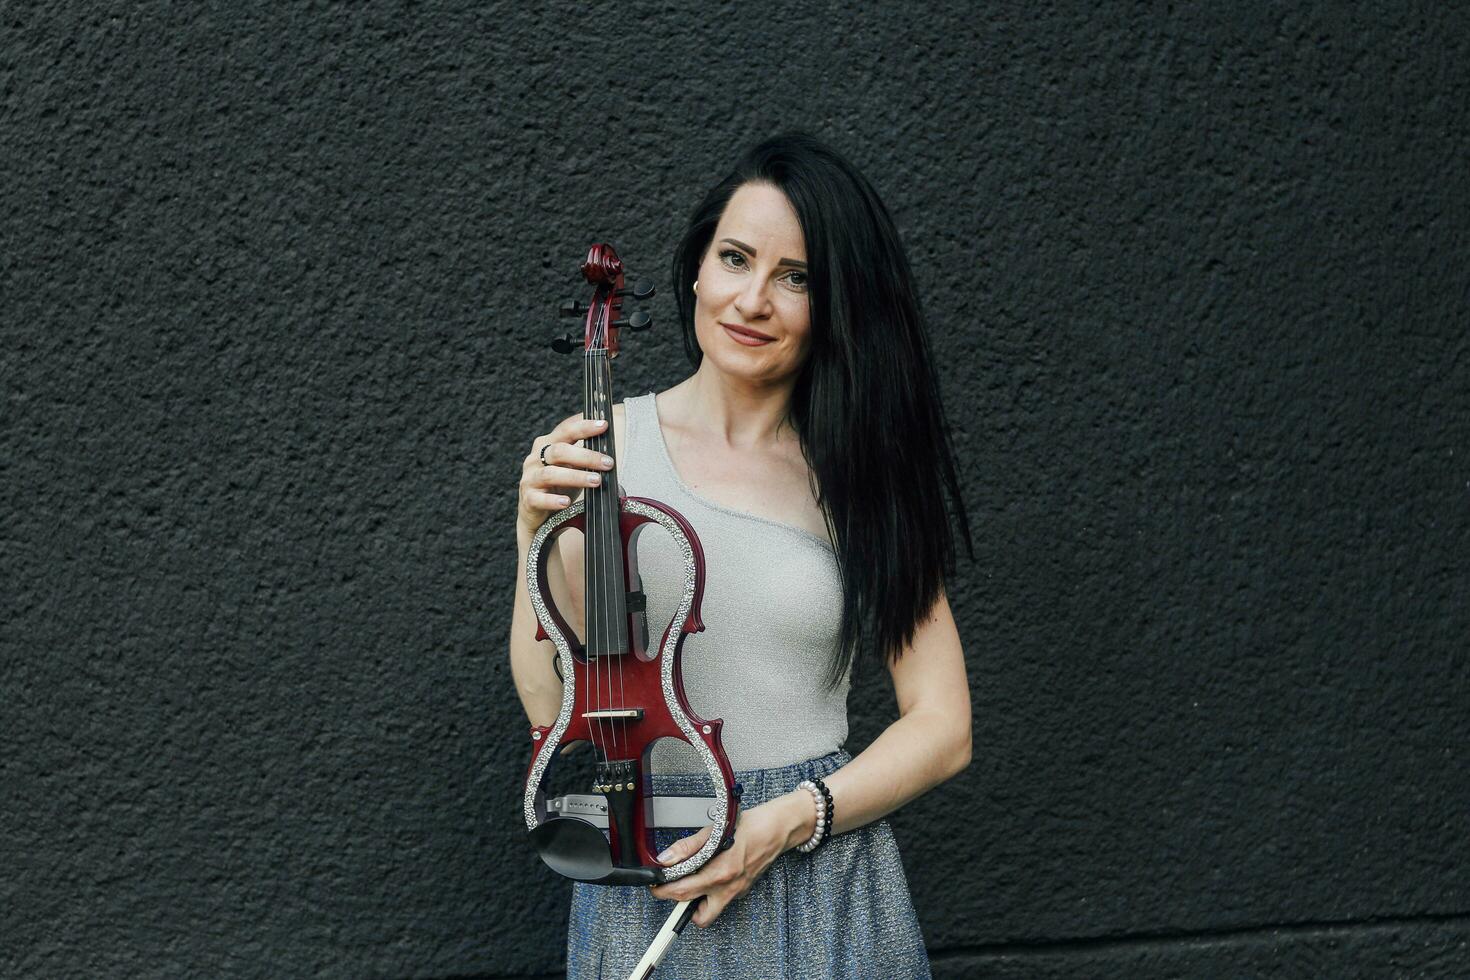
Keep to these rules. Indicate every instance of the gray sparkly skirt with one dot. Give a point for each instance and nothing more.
(842, 911)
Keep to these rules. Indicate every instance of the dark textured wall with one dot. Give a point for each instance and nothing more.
(277, 283)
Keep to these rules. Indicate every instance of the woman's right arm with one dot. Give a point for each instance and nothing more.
(543, 491)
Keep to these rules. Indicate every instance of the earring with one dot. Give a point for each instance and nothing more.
(696, 285)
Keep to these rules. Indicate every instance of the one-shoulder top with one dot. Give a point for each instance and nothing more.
(772, 612)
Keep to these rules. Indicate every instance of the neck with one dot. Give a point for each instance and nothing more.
(731, 411)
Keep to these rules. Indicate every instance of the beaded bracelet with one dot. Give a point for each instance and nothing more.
(821, 804)
(822, 797)
(831, 810)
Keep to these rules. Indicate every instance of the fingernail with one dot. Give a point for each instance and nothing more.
(666, 856)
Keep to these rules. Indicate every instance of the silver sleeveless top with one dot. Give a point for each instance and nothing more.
(772, 611)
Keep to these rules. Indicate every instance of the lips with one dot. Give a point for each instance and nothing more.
(745, 332)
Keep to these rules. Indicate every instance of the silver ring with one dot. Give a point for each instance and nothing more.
(543, 452)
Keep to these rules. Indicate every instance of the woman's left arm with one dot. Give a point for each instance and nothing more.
(927, 744)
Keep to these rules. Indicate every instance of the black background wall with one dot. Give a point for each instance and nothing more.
(277, 286)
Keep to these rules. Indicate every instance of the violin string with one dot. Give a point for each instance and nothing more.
(620, 608)
(587, 623)
(590, 549)
(608, 532)
(614, 557)
(615, 580)
(607, 551)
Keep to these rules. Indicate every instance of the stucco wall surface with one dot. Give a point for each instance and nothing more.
(277, 288)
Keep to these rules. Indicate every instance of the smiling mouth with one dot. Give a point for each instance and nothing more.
(745, 331)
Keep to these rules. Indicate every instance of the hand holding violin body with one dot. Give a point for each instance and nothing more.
(766, 832)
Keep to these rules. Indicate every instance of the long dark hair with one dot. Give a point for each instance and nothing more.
(866, 405)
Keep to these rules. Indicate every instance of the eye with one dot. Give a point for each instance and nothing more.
(731, 257)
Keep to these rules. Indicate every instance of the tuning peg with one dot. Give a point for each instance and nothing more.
(640, 290)
(566, 344)
(573, 307)
(638, 320)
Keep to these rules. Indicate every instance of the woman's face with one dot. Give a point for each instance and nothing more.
(753, 276)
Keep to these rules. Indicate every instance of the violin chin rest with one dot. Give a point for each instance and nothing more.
(574, 848)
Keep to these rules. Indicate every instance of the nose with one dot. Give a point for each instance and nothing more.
(752, 302)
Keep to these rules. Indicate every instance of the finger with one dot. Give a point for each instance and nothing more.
(564, 476)
(709, 910)
(547, 501)
(714, 872)
(685, 846)
(577, 428)
(590, 459)
(565, 454)
(687, 887)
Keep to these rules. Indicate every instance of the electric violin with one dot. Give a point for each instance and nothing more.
(618, 693)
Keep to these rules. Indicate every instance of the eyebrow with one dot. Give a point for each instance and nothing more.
(752, 251)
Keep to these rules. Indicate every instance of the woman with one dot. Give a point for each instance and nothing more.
(809, 451)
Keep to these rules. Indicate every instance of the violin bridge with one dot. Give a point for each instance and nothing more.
(616, 714)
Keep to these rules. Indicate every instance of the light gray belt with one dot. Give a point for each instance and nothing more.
(668, 811)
